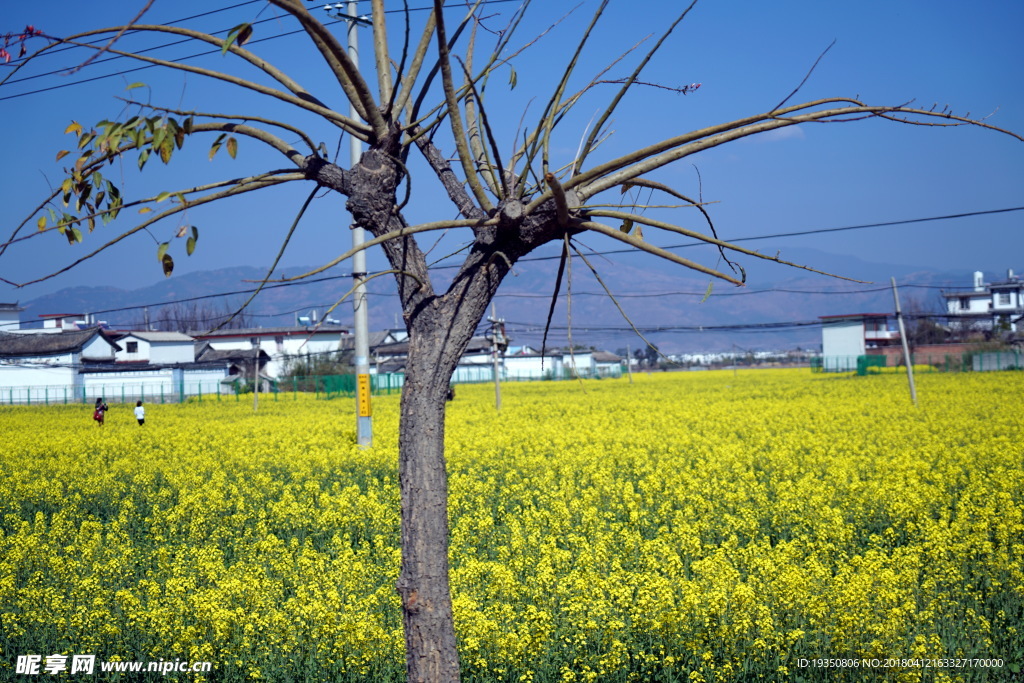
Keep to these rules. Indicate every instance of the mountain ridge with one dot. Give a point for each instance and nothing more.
(676, 309)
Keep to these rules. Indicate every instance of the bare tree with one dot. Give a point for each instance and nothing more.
(926, 322)
(511, 192)
(192, 316)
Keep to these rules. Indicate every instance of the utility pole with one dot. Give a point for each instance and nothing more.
(906, 345)
(499, 342)
(255, 373)
(629, 365)
(360, 312)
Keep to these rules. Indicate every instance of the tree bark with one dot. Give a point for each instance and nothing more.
(431, 653)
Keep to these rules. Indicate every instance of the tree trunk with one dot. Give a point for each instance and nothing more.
(431, 653)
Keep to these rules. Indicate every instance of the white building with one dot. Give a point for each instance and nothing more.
(846, 337)
(281, 344)
(526, 363)
(155, 347)
(61, 363)
(34, 365)
(987, 306)
(10, 317)
(591, 363)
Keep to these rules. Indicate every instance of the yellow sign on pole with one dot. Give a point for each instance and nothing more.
(363, 394)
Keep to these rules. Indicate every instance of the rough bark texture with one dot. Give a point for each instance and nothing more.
(440, 326)
(423, 480)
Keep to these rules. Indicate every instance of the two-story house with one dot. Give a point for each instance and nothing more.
(987, 305)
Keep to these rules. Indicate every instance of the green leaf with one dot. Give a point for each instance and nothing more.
(138, 84)
(162, 250)
(163, 195)
(168, 265)
(513, 79)
(166, 150)
(711, 286)
(74, 127)
(215, 147)
(41, 223)
(61, 154)
(627, 226)
(158, 138)
(76, 235)
(143, 157)
(190, 245)
(232, 147)
(239, 34)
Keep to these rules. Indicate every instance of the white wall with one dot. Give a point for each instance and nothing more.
(52, 371)
(842, 338)
(171, 352)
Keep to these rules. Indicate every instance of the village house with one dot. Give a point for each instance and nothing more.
(987, 306)
(70, 360)
(10, 317)
(282, 345)
(846, 338)
(42, 367)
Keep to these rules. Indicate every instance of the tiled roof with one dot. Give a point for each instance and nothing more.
(48, 344)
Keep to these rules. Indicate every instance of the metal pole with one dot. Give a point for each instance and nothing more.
(906, 346)
(360, 313)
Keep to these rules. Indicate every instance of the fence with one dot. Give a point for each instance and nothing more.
(971, 361)
(321, 386)
(165, 392)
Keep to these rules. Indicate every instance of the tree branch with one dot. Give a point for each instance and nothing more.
(455, 115)
(347, 74)
(657, 251)
(234, 191)
(302, 99)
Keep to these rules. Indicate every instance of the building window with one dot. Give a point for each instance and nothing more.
(131, 347)
(279, 341)
(965, 303)
(1003, 298)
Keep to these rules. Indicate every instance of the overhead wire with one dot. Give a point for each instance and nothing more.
(125, 72)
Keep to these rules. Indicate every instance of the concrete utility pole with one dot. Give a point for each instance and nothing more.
(498, 345)
(255, 373)
(629, 364)
(906, 345)
(360, 312)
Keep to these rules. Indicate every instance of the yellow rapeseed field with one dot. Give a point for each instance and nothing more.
(705, 527)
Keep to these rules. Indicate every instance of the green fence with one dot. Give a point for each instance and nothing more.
(177, 392)
(970, 361)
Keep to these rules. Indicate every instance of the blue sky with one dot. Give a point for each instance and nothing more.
(747, 56)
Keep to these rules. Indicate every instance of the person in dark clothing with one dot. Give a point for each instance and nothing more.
(100, 411)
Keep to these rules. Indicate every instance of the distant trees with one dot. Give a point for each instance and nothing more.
(319, 364)
(649, 355)
(924, 322)
(190, 316)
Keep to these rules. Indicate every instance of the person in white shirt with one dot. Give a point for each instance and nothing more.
(140, 413)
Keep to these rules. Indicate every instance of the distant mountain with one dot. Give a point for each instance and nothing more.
(675, 308)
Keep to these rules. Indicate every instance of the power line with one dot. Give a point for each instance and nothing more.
(125, 72)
